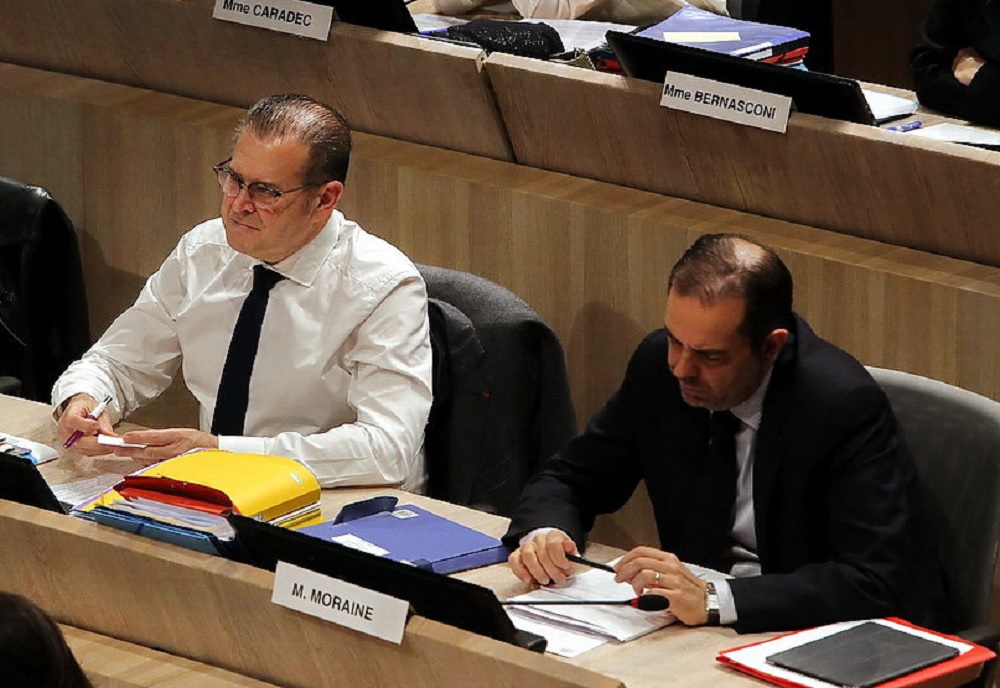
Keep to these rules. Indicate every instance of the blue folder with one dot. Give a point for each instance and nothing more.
(415, 536)
(164, 532)
(756, 41)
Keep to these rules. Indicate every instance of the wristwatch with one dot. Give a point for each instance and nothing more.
(711, 604)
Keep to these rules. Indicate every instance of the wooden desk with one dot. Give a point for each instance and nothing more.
(219, 612)
(393, 84)
(850, 178)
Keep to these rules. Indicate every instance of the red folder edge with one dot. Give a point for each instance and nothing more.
(978, 655)
(177, 493)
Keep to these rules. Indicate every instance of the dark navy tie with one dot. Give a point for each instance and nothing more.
(234, 386)
(714, 494)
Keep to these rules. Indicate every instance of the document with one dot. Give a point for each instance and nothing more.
(886, 106)
(961, 133)
(33, 451)
(612, 622)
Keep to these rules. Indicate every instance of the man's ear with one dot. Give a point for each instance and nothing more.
(773, 344)
(329, 196)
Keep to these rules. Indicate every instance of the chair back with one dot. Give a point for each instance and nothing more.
(501, 396)
(954, 436)
(44, 325)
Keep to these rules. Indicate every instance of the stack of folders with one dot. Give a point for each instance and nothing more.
(699, 28)
(186, 500)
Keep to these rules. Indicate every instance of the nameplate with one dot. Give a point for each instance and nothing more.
(287, 16)
(725, 101)
(340, 602)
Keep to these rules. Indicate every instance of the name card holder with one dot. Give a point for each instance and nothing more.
(287, 16)
(339, 602)
(717, 99)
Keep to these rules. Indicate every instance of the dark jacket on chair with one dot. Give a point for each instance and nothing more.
(501, 396)
(44, 324)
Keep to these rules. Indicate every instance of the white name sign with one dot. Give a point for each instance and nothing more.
(725, 101)
(288, 16)
(340, 602)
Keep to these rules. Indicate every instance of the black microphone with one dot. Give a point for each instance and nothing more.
(646, 603)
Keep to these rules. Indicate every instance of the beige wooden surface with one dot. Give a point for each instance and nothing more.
(218, 612)
(132, 167)
(111, 663)
(852, 178)
(387, 83)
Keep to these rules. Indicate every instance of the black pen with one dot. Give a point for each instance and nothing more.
(576, 558)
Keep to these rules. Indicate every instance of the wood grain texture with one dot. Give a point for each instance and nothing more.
(218, 612)
(851, 178)
(397, 85)
(591, 257)
(111, 663)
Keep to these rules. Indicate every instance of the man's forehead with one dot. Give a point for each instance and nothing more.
(268, 158)
(705, 323)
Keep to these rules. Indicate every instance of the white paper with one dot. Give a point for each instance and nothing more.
(755, 656)
(886, 106)
(109, 441)
(85, 491)
(960, 133)
(700, 36)
(620, 622)
(561, 641)
(34, 451)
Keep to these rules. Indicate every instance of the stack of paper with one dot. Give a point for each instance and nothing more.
(573, 629)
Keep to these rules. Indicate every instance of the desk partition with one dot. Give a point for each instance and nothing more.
(851, 178)
(397, 85)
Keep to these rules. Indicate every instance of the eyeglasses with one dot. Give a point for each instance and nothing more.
(261, 195)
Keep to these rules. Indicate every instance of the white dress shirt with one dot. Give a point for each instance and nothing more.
(744, 532)
(342, 378)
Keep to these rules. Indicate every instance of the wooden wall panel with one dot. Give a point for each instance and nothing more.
(591, 257)
(850, 178)
(401, 86)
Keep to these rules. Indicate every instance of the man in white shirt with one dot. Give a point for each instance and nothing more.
(341, 376)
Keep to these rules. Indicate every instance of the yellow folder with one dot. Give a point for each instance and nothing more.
(254, 485)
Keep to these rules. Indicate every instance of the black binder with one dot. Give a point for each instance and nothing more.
(864, 655)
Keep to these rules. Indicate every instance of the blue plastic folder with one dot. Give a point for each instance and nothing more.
(415, 536)
(746, 38)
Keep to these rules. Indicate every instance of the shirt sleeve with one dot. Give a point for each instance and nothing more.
(390, 391)
(136, 358)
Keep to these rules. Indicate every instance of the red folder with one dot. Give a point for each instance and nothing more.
(958, 670)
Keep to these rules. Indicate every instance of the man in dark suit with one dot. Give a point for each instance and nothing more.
(810, 498)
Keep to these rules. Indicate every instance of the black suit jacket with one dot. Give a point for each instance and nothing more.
(840, 521)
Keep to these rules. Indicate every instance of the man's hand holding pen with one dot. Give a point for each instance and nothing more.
(79, 425)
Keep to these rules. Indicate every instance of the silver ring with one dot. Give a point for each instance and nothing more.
(656, 577)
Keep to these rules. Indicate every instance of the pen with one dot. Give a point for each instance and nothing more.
(93, 415)
(576, 558)
(909, 126)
